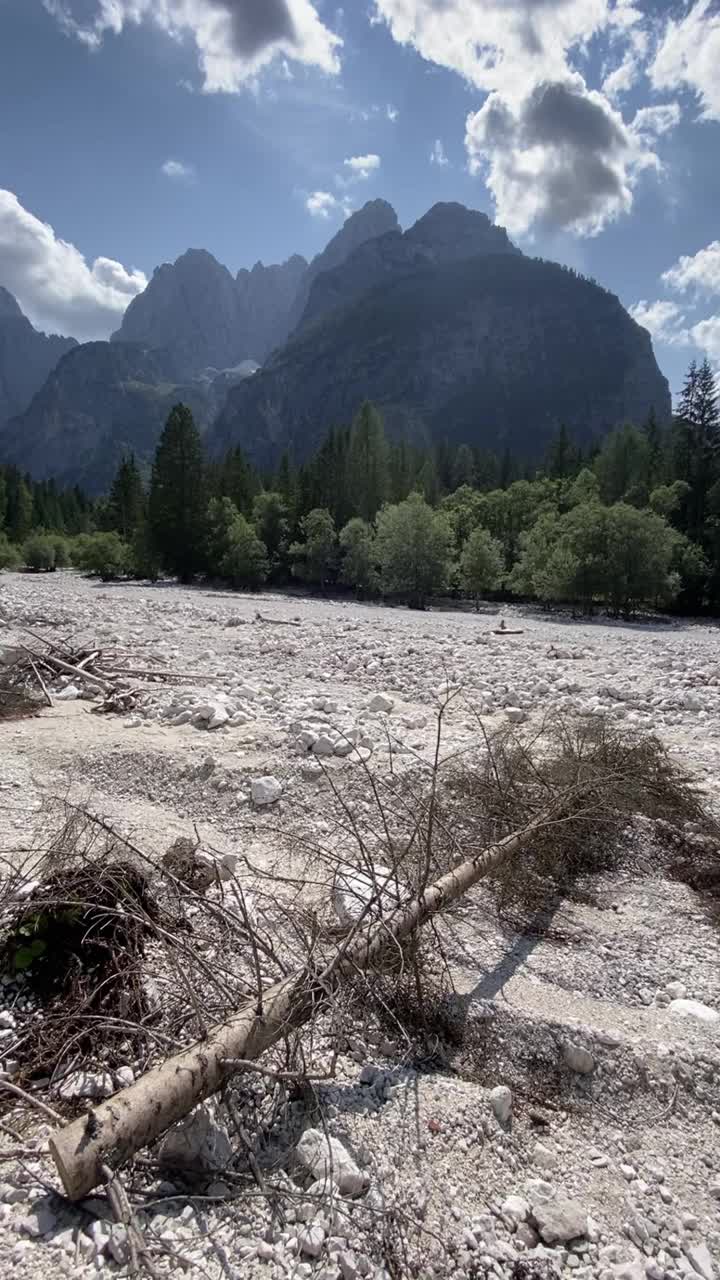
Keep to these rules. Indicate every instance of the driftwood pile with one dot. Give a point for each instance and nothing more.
(29, 671)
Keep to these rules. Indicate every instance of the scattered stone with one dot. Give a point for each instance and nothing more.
(381, 702)
(501, 1101)
(265, 791)
(577, 1058)
(86, 1084)
(328, 1160)
(693, 1009)
(200, 1141)
(559, 1219)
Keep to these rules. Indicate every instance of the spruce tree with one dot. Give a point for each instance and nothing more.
(126, 502)
(368, 463)
(177, 495)
(3, 501)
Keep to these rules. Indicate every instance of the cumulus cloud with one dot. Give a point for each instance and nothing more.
(700, 272)
(391, 112)
(177, 171)
(234, 39)
(362, 166)
(688, 57)
(561, 157)
(665, 321)
(552, 151)
(437, 154)
(56, 287)
(706, 336)
(323, 204)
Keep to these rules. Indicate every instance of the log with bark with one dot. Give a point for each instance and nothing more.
(113, 1131)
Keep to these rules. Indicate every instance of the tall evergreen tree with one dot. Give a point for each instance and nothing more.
(368, 463)
(126, 501)
(3, 501)
(177, 495)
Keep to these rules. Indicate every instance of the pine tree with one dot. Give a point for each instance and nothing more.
(3, 501)
(177, 495)
(368, 463)
(126, 501)
(19, 509)
(463, 468)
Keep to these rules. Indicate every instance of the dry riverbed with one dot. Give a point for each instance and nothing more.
(608, 1164)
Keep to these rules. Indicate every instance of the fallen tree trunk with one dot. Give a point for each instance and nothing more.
(135, 1117)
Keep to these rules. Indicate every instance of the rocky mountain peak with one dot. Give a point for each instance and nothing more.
(9, 308)
(449, 233)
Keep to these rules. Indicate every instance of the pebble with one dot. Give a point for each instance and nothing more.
(501, 1101)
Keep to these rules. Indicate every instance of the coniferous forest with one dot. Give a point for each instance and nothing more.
(633, 522)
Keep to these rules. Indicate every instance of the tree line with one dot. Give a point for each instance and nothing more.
(633, 521)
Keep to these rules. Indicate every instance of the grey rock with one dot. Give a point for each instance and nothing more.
(577, 1058)
(27, 357)
(328, 1160)
(501, 1101)
(265, 791)
(699, 1257)
(199, 1142)
(559, 1219)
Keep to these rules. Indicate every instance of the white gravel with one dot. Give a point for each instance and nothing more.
(582, 1132)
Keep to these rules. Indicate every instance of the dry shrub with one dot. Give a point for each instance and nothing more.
(79, 938)
(604, 777)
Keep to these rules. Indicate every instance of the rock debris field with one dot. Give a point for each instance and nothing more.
(570, 1127)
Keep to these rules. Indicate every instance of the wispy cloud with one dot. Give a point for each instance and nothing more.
(437, 154)
(323, 204)
(177, 171)
(391, 112)
(361, 167)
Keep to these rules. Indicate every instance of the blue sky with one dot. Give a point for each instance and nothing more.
(134, 129)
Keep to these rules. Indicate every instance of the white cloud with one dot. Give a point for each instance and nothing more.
(55, 286)
(362, 166)
(562, 157)
(437, 154)
(665, 321)
(688, 57)
(391, 112)
(706, 336)
(323, 204)
(234, 39)
(178, 171)
(552, 151)
(653, 122)
(700, 272)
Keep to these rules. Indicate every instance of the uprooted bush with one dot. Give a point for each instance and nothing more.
(79, 939)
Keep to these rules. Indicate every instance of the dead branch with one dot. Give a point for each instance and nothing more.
(136, 1116)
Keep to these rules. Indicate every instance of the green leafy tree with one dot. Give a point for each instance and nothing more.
(481, 564)
(103, 555)
(177, 496)
(39, 553)
(126, 501)
(584, 488)
(245, 562)
(368, 463)
(314, 559)
(583, 533)
(221, 515)
(144, 556)
(359, 568)
(639, 555)
(414, 547)
(667, 499)
(530, 576)
(10, 557)
(464, 510)
(270, 517)
(623, 464)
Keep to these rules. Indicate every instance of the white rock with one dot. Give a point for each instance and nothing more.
(354, 888)
(501, 1101)
(516, 715)
(311, 1241)
(7, 1021)
(517, 1208)
(577, 1058)
(381, 702)
(218, 718)
(693, 1009)
(543, 1157)
(676, 990)
(323, 746)
(699, 1256)
(124, 1077)
(328, 1160)
(86, 1084)
(559, 1219)
(266, 791)
(199, 1142)
(25, 890)
(69, 694)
